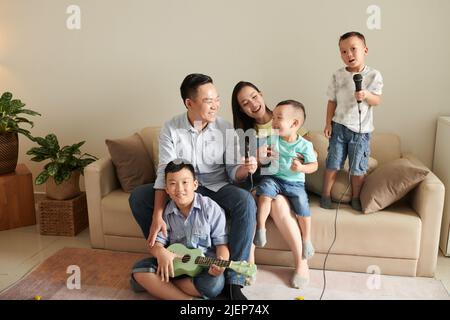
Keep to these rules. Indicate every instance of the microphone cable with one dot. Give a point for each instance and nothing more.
(339, 204)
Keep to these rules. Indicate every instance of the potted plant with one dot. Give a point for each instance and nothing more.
(62, 173)
(10, 121)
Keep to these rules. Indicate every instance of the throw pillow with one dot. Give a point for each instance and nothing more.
(134, 167)
(390, 183)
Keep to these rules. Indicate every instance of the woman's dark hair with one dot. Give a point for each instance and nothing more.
(240, 119)
(178, 165)
(188, 88)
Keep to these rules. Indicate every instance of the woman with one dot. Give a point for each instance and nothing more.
(251, 112)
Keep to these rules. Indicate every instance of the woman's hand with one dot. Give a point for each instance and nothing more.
(157, 225)
(250, 165)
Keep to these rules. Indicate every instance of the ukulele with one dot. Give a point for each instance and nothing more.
(193, 261)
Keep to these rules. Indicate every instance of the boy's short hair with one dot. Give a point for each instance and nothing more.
(353, 34)
(188, 88)
(297, 106)
(178, 165)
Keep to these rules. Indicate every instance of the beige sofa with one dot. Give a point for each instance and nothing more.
(400, 240)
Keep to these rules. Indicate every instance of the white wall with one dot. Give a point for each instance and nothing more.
(123, 69)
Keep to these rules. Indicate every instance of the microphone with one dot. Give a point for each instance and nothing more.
(357, 78)
(247, 156)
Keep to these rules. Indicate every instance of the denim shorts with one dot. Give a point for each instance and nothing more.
(207, 285)
(344, 142)
(250, 184)
(294, 191)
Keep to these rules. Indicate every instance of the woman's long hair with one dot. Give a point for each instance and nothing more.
(240, 119)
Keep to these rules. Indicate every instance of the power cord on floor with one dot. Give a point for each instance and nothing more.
(339, 204)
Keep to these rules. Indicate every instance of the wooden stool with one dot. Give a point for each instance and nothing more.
(17, 199)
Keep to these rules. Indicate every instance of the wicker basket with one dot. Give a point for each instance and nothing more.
(63, 217)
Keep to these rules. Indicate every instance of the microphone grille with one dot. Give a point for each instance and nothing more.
(357, 77)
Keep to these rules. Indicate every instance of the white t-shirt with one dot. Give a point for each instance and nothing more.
(342, 91)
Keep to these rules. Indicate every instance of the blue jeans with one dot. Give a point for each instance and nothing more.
(345, 142)
(293, 190)
(237, 203)
(207, 285)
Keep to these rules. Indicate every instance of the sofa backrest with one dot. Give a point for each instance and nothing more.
(150, 137)
(385, 147)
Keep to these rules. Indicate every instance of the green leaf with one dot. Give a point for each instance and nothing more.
(59, 178)
(62, 159)
(86, 162)
(41, 142)
(7, 96)
(30, 112)
(38, 151)
(41, 178)
(52, 141)
(67, 175)
(52, 169)
(78, 145)
(16, 105)
(26, 133)
(38, 158)
(90, 155)
(20, 119)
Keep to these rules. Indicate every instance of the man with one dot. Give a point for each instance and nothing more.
(203, 139)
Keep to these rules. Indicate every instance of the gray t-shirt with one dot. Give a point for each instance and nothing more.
(342, 91)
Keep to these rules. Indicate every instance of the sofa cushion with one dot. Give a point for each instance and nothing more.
(394, 232)
(389, 183)
(117, 217)
(133, 164)
(314, 181)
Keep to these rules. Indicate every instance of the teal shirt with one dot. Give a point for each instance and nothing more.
(287, 151)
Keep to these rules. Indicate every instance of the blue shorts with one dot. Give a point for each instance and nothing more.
(294, 191)
(343, 142)
(207, 285)
(250, 185)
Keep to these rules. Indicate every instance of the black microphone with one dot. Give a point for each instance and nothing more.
(247, 156)
(357, 78)
(247, 148)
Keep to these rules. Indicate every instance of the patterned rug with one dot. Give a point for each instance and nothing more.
(104, 275)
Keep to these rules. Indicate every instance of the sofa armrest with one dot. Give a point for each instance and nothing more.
(427, 199)
(100, 179)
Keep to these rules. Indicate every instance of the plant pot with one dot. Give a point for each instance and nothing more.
(9, 152)
(66, 190)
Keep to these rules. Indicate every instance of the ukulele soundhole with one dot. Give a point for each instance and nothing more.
(186, 258)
